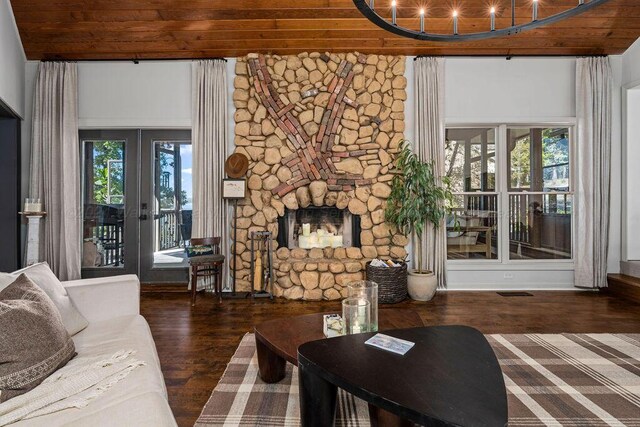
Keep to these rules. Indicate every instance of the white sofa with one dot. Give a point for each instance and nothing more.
(112, 307)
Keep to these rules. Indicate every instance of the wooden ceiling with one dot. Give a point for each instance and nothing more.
(165, 29)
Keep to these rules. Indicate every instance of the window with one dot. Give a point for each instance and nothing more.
(540, 201)
(470, 164)
(520, 208)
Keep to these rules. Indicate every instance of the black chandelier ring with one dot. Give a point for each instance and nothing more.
(367, 8)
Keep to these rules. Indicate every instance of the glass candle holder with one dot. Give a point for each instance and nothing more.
(368, 290)
(356, 314)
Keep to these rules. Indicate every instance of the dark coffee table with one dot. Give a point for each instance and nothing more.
(277, 340)
(451, 377)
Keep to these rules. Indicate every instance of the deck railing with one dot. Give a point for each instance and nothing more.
(526, 207)
(168, 223)
(546, 215)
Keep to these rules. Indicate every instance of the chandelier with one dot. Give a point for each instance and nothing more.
(370, 9)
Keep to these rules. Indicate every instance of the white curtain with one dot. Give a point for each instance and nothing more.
(55, 165)
(209, 140)
(429, 146)
(594, 86)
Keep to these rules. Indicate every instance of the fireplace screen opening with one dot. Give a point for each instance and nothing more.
(318, 227)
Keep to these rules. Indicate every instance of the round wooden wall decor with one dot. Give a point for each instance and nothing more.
(236, 165)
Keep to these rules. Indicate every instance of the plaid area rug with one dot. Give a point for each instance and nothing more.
(552, 380)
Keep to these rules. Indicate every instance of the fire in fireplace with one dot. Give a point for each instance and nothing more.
(318, 227)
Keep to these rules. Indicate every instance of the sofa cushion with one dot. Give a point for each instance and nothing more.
(34, 341)
(42, 276)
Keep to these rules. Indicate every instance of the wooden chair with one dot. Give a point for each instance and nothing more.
(206, 266)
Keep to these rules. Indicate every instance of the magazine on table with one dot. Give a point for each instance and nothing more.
(392, 344)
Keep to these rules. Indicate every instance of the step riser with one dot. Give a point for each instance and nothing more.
(624, 286)
(630, 268)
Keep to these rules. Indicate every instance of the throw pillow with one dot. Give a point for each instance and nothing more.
(35, 342)
(193, 251)
(41, 275)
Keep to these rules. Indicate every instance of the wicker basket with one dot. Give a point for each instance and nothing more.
(392, 282)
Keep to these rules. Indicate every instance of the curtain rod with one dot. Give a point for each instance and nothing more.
(134, 60)
(508, 57)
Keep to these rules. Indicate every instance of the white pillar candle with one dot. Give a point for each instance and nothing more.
(455, 22)
(306, 229)
(493, 19)
(393, 12)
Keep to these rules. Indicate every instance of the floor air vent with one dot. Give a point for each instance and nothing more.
(514, 294)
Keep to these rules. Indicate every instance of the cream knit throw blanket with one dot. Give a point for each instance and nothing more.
(72, 386)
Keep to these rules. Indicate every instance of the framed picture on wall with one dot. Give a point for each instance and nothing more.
(234, 188)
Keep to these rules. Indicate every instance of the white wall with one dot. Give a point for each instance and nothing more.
(12, 60)
(631, 153)
(631, 213)
(631, 64)
(615, 219)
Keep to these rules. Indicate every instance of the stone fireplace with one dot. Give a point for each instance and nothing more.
(321, 131)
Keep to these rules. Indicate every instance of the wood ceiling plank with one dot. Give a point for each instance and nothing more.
(304, 25)
(110, 15)
(118, 36)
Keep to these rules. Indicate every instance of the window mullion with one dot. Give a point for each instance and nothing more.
(502, 173)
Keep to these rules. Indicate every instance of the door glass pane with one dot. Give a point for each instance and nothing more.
(540, 226)
(173, 203)
(470, 159)
(472, 227)
(104, 197)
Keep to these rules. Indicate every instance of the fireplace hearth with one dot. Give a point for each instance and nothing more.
(318, 227)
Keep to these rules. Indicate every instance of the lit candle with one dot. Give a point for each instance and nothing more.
(580, 2)
(455, 22)
(306, 229)
(393, 12)
(372, 4)
(493, 19)
(356, 329)
(422, 20)
(535, 10)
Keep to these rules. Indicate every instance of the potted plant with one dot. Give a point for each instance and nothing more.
(418, 198)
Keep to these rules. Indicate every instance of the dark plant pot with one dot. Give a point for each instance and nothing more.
(392, 282)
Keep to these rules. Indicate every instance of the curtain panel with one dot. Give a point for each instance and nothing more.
(594, 88)
(429, 146)
(209, 142)
(55, 165)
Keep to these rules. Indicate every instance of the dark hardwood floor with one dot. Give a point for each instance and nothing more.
(195, 344)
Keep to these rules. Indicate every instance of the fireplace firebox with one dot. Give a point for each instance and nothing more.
(318, 227)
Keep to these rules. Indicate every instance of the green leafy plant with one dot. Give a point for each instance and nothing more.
(418, 197)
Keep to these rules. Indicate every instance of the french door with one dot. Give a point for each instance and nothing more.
(136, 203)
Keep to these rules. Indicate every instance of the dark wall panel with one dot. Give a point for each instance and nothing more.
(9, 193)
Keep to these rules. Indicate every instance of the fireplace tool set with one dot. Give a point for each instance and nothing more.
(261, 264)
